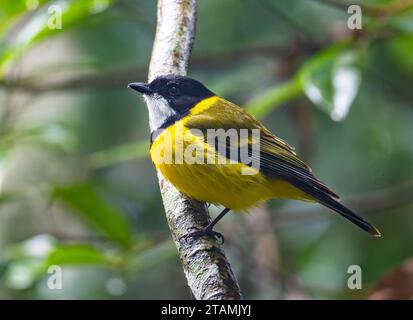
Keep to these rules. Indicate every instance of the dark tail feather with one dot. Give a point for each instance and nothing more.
(349, 215)
(333, 204)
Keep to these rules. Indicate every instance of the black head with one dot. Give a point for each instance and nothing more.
(182, 93)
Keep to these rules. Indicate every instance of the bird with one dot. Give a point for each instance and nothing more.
(240, 175)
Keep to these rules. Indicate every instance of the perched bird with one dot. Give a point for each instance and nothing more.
(184, 114)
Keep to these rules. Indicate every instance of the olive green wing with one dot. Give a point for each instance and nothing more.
(277, 158)
(226, 115)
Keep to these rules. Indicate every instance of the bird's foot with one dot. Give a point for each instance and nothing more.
(209, 233)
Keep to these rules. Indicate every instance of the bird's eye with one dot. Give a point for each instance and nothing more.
(173, 90)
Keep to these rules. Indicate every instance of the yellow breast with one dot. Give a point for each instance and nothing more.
(216, 182)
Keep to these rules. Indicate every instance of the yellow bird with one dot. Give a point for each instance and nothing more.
(214, 151)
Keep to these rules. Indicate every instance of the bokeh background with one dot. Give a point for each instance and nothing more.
(77, 188)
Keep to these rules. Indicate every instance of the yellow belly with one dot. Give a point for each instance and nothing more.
(219, 182)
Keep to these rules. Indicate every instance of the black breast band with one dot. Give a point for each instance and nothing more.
(168, 122)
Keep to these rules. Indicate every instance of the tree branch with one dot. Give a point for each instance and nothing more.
(207, 270)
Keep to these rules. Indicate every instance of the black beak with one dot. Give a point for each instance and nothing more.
(140, 87)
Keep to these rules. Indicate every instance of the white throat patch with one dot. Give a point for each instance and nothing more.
(159, 110)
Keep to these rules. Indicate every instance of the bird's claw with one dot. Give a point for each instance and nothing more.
(208, 232)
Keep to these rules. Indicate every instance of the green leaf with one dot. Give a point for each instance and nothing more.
(49, 19)
(38, 247)
(119, 154)
(8, 197)
(28, 261)
(75, 254)
(10, 11)
(274, 97)
(22, 273)
(400, 49)
(89, 204)
(331, 80)
(72, 12)
(402, 23)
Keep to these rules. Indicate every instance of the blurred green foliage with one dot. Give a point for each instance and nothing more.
(85, 200)
(77, 188)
